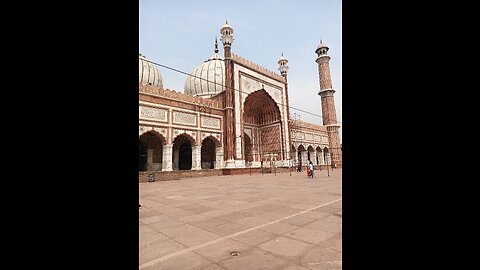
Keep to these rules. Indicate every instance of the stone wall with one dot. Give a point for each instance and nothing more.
(176, 175)
(270, 141)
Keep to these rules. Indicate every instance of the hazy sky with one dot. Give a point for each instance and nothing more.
(181, 34)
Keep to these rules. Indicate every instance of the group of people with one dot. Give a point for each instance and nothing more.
(311, 170)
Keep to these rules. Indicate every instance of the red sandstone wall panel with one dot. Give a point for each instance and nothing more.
(270, 140)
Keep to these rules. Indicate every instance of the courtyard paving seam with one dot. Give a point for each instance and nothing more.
(171, 255)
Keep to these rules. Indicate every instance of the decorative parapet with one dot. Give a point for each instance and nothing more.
(299, 124)
(157, 91)
(218, 97)
(245, 62)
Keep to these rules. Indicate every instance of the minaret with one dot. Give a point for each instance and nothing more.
(328, 105)
(283, 68)
(229, 123)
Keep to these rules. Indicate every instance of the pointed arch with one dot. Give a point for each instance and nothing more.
(208, 152)
(259, 109)
(154, 133)
(262, 114)
(301, 155)
(319, 151)
(310, 154)
(150, 146)
(326, 155)
(215, 140)
(186, 135)
(182, 152)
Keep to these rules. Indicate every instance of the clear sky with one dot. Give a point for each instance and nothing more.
(181, 34)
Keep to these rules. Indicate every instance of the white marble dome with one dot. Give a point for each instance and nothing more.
(148, 73)
(213, 70)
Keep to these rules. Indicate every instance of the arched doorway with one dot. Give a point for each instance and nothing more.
(151, 151)
(182, 153)
(302, 155)
(310, 154)
(185, 156)
(319, 155)
(326, 156)
(208, 153)
(262, 115)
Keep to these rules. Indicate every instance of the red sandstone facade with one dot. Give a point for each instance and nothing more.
(245, 126)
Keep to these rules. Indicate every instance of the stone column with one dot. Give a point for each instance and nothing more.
(218, 158)
(176, 159)
(196, 157)
(304, 158)
(314, 157)
(167, 157)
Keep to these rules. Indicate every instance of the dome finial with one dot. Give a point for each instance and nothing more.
(216, 45)
(226, 22)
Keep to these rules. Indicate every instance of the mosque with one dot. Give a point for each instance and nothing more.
(232, 116)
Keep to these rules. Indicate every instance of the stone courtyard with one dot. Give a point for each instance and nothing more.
(243, 222)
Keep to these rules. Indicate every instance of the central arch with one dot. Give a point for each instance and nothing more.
(260, 109)
(262, 115)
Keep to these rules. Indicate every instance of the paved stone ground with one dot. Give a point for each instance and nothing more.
(272, 222)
